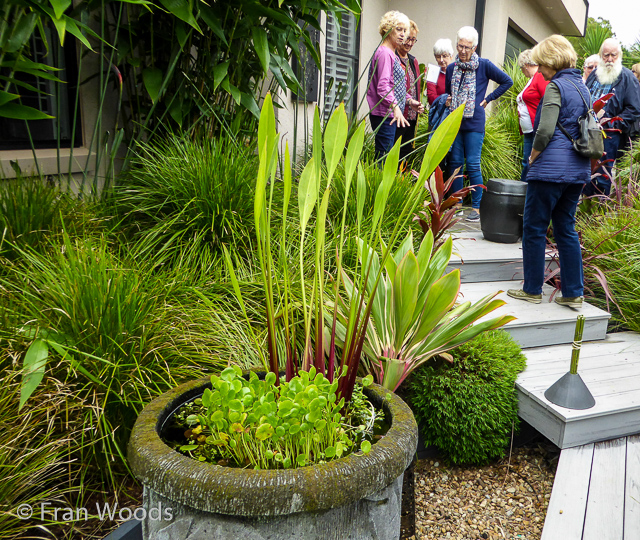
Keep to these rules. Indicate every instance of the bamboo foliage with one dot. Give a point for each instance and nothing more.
(175, 64)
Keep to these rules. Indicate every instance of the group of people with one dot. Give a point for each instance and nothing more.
(394, 94)
(555, 97)
(394, 81)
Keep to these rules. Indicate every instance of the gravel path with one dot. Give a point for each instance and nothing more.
(506, 500)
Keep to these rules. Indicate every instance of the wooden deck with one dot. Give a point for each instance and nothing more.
(480, 260)
(596, 493)
(611, 370)
(541, 324)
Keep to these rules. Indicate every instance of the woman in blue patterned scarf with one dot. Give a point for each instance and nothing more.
(467, 80)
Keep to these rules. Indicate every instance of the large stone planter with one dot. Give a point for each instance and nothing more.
(356, 497)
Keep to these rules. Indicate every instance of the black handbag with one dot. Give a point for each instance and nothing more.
(590, 143)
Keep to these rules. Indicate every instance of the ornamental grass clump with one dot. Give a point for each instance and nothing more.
(114, 333)
(182, 193)
(612, 238)
(32, 212)
(254, 422)
(469, 408)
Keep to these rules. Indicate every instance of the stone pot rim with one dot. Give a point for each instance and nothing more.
(247, 492)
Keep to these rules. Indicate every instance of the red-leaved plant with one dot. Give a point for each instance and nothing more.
(440, 213)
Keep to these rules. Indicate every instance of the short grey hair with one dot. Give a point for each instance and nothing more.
(468, 33)
(594, 58)
(524, 59)
(610, 41)
(443, 46)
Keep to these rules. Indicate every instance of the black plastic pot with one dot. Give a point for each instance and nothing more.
(501, 210)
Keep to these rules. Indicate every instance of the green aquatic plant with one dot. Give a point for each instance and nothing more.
(256, 422)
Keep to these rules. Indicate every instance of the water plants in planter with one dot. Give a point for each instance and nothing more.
(248, 421)
(328, 497)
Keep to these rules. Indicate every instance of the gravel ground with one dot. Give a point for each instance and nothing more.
(505, 500)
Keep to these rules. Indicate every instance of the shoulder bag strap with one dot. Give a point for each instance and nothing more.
(560, 126)
(580, 94)
(416, 73)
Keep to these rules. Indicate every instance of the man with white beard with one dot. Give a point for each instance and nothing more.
(611, 76)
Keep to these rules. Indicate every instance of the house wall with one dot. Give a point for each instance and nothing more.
(441, 19)
(372, 12)
(292, 112)
(525, 15)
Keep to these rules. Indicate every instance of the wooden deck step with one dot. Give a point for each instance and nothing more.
(596, 492)
(610, 369)
(480, 260)
(540, 324)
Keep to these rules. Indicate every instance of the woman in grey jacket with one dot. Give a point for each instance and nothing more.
(556, 176)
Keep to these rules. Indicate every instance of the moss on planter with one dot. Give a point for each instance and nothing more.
(213, 488)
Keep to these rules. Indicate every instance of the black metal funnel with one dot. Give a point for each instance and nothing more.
(571, 392)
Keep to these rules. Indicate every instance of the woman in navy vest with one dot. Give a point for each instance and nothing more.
(556, 176)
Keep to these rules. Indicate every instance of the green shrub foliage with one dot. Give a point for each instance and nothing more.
(468, 408)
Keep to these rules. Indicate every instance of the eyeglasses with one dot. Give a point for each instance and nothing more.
(589, 68)
(442, 56)
(411, 41)
(464, 48)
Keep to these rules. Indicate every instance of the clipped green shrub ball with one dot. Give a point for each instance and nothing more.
(468, 408)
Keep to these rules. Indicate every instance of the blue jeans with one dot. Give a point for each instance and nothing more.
(468, 147)
(527, 145)
(555, 202)
(385, 134)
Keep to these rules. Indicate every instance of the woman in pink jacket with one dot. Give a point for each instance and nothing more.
(387, 93)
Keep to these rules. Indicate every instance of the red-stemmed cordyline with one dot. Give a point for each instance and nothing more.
(440, 213)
